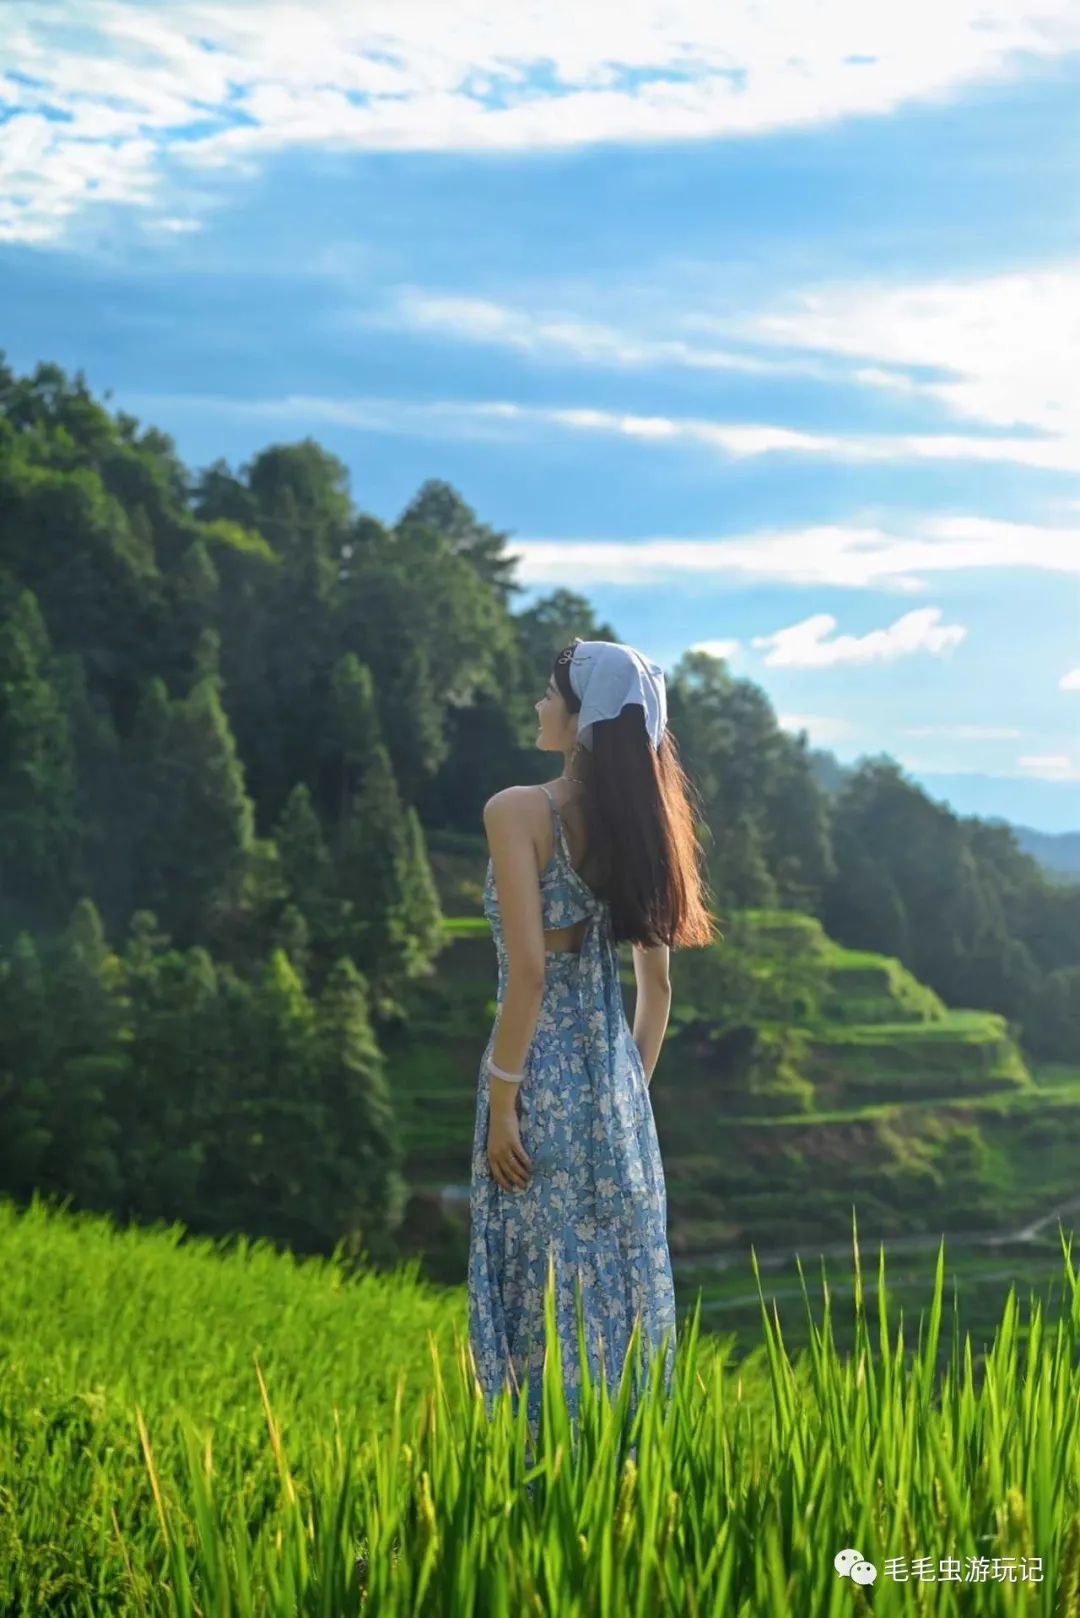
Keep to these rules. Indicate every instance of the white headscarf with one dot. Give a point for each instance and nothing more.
(606, 676)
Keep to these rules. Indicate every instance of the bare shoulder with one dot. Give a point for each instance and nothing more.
(506, 804)
(514, 812)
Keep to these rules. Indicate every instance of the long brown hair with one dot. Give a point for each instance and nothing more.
(640, 810)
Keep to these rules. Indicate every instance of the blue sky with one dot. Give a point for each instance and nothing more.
(760, 326)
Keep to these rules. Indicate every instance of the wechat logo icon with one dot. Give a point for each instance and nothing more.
(850, 1565)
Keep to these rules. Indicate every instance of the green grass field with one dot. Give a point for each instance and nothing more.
(223, 1432)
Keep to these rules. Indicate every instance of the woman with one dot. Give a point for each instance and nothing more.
(565, 1156)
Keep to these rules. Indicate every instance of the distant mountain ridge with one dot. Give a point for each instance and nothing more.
(1057, 852)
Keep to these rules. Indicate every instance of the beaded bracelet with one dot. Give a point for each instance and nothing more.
(515, 1078)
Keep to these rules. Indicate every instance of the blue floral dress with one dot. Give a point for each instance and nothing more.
(596, 1198)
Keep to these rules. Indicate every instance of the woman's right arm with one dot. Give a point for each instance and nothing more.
(653, 1005)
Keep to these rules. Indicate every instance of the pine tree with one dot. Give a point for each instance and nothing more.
(292, 934)
(103, 866)
(412, 718)
(86, 1066)
(206, 659)
(303, 509)
(152, 802)
(272, 1150)
(179, 1067)
(195, 818)
(195, 604)
(438, 505)
(371, 1188)
(26, 1102)
(39, 829)
(292, 1146)
(307, 868)
(1055, 1028)
(351, 732)
(423, 911)
(737, 864)
(373, 880)
(219, 819)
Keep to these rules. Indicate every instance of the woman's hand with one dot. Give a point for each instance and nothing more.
(507, 1158)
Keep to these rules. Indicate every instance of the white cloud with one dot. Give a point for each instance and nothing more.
(563, 335)
(740, 440)
(410, 418)
(1070, 681)
(222, 84)
(175, 227)
(1049, 767)
(726, 649)
(804, 645)
(821, 728)
(846, 558)
(962, 733)
(735, 439)
(944, 768)
(1003, 349)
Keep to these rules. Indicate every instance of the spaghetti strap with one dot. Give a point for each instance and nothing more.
(555, 816)
(560, 848)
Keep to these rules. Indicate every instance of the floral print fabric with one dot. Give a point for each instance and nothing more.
(596, 1199)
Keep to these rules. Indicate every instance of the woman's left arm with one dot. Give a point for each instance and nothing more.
(513, 859)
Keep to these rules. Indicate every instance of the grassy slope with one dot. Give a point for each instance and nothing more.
(131, 1396)
(96, 1322)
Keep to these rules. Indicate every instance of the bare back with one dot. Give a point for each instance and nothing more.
(651, 966)
(565, 939)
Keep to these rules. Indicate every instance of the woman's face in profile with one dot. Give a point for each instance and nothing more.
(553, 719)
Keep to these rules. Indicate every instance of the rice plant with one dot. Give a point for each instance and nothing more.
(240, 1481)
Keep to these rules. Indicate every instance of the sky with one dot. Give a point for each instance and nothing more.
(758, 325)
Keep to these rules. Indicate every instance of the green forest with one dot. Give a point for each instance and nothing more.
(246, 735)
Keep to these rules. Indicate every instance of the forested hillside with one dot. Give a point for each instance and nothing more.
(238, 713)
